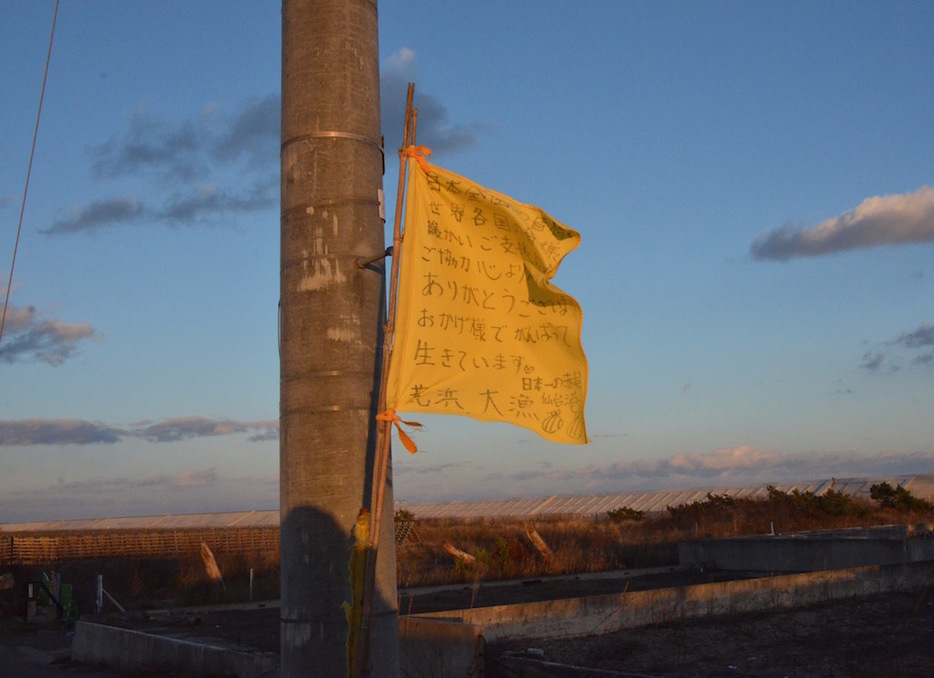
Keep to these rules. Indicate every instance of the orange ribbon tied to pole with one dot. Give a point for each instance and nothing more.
(420, 153)
(394, 419)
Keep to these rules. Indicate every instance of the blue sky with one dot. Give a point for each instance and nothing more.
(752, 182)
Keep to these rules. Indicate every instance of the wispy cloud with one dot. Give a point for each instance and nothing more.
(193, 148)
(271, 432)
(201, 205)
(920, 341)
(428, 469)
(190, 161)
(872, 361)
(27, 432)
(880, 220)
(187, 491)
(721, 468)
(922, 337)
(184, 479)
(207, 202)
(435, 128)
(214, 167)
(748, 465)
(252, 134)
(180, 428)
(18, 318)
(96, 215)
(153, 146)
(29, 337)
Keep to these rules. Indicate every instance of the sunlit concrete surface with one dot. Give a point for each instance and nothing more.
(596, 615)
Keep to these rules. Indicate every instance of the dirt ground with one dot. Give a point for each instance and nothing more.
(883, 635)
(258, 629)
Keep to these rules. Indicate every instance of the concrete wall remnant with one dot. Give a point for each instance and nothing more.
(812, 551)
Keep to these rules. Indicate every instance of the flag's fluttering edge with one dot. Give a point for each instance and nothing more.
(480, 331)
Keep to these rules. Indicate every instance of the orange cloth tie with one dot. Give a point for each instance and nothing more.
(394, 419)
(420, 153)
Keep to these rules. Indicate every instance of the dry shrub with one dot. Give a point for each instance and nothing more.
(502, 550)
(795, 511)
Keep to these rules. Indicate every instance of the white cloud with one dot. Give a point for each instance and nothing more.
(18, 318)
(880, 220)
(723, 460)
(402, 62)
(28, 338)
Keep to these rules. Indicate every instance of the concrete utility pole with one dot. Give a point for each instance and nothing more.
(330, 331)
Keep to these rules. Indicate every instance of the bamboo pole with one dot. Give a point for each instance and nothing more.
(384, 432)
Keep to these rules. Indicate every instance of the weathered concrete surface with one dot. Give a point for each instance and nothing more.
(603, 614)
(130, 651)
(439, 647)
(811, 551)
(428, 647)
(451, 644)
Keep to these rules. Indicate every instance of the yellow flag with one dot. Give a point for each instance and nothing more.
(480, 331)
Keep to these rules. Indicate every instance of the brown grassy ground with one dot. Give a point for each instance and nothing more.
(881, 635)
(502, 548)
(496, 549)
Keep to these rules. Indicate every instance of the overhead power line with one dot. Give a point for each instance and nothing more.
(32, 152)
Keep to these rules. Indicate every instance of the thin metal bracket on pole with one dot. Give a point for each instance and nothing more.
(363, 263)
(335, 135)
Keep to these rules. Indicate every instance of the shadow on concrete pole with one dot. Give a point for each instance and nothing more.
(330, 331)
